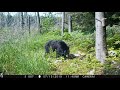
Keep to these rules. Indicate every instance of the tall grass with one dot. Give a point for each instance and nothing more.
(23, 54)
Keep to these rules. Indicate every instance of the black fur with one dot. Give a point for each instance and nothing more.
(59, 46)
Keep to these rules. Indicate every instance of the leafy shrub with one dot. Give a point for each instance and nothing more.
(67, 36)
(114, 41)
(111, 31)
(111, 66)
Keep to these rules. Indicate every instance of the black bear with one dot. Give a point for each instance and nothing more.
(59, 46)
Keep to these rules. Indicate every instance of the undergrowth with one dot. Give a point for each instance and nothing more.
(26, 55)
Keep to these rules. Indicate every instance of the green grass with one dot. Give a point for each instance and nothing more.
(25, 55)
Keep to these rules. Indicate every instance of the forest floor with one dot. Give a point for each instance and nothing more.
(24, 55)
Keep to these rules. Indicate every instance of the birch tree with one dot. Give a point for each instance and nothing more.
(63, 19)
(69, 24)
(101, 48)
(26, 20)
(29, 24)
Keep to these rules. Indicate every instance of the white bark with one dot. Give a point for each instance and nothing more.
(69, 24)
(25, 20)
(29, 23)
(63, 19)
(101, 49)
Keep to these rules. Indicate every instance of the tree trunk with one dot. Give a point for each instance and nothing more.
(18, 23)
(2, 20)
(69, 24)
(36, 20)
(8, 20)
(26, 20)
(22, 21)
(38, 17)
(63, 19)
(101, 48)
(29, 24)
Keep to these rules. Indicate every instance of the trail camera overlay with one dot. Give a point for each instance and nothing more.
(1, 75)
